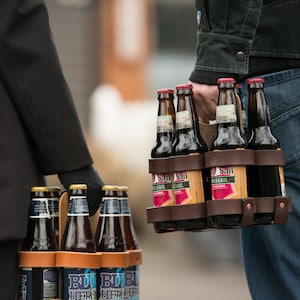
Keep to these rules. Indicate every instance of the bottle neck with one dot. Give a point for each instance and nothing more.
(111, 237)
(259, 121)
(187, 136)
(165, 129)
(78, 206)
(229, 134)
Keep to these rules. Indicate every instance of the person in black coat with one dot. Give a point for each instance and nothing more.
(40, 129)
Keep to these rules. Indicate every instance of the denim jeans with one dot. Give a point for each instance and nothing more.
(271, 253)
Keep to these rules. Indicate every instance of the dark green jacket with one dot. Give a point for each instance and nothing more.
(245, 37)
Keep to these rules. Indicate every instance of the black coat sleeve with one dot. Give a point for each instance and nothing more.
(30, 68)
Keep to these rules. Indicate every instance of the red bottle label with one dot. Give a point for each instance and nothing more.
(188, 187)
(228, 182)
(162, 190)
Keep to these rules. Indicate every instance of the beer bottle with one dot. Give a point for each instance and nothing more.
(111, 281)
(188, 184)
(53, 202)
(228, 182)
(241, 110)
(131, 243)
(78, 237)
(162, 182)
(39, 283)
(264, 181)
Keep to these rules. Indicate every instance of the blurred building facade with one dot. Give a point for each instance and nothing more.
(136, 45)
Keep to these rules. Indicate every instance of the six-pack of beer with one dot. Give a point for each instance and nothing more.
(226, 175)
(68, 255)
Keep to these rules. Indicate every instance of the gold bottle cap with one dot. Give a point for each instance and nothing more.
(123, 188)
(40, 189)
(110, 187)
(78, 186)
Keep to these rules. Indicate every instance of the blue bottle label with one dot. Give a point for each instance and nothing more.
(111, 206)
(112, 283)
(132, 291)
(79, 284)
(26, 283)
(53, 204)
(124, 205)
(39, 208)
(78, 206)
(48, 278)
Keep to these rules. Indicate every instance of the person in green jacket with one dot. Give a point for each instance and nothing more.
(244, 39)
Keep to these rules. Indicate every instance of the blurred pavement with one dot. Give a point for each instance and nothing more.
(171, 271)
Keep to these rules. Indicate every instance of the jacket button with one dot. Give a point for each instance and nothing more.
(240, 56)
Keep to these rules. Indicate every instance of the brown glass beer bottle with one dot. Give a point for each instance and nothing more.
(111, 281)
(78, 237)
(228, 182)
(264, 181)
(162, 187)
(54, 209)
(189, 185)
(131, 243)
(39, 283)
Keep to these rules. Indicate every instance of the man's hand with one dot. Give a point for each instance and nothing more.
(205, 98)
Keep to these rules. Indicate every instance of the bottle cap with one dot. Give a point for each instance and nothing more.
(110, 188)
(78, 186)
(165, 91)
(123, 188)
(225, 80)
(39, 189)
(184, 86)
(255, 80)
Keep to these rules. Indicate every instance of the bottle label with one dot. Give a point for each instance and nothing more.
(112, 283)
(53, 204)
(132, 283)
(124, 205)
(226, 113)
(111, 206)
(183, 120)
(47, 276)
(165, 124)
(188, 187)
(162, 189)
(39, 208)
(26, 283)
(79, 284)
(228, 182)
(78, 206)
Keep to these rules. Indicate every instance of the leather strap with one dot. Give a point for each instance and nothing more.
(135, 257)
(68, 259)
(115, 260)
(189, 211)
(269, 158)
(187, 163)
(37, 259)
(229, 158)
(159, 165)
(158, 214)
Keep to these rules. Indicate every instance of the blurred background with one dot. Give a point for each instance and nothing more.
(115, 55)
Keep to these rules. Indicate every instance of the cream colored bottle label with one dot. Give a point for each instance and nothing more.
(188, 187)
(228, 182)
